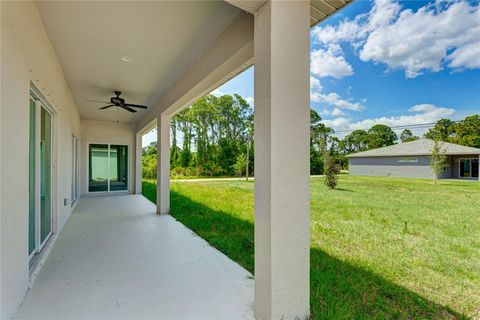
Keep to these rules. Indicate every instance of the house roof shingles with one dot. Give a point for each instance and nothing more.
(421, 147)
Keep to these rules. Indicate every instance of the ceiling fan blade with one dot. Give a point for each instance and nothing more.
(128, 108)
(135, 105)
(110, 105)
(96, 101)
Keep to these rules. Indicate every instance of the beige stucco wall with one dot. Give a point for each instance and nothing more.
(28, 57)
(108, 133)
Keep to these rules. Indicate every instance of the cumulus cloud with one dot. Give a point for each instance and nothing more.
(336, 112)
(315, 84)
(433, 37)
(330, 62)
(419, 114)
(334, 99)
(331, 99)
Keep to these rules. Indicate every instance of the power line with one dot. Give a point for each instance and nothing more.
(409, 126)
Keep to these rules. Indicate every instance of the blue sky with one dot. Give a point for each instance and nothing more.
(391, 62)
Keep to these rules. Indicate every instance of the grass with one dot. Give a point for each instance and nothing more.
(381, 248)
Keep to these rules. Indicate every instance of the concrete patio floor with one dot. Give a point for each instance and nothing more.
(116, 259)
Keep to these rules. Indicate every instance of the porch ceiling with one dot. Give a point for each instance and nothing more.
(163, 38)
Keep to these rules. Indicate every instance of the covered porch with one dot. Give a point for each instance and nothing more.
(112, 256)
(116, 258)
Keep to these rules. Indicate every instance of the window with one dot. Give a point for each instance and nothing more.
(407, 159)
(75, 170)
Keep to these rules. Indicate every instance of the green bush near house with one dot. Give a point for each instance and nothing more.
(381, 248)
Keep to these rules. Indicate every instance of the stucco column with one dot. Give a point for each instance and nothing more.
(163, 164)
(282, 183)
(138, 163)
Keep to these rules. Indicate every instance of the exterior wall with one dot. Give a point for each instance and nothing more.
(28, 57)
(389, 166)
(108, 133)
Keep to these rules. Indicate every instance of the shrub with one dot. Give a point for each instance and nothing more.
(331, 171)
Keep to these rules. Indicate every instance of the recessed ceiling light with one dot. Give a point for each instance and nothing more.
(126, 59)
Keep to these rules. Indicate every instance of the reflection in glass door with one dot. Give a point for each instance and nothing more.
(31, 179)
(108, 168)
(465, 168)
(98, 168)
(40, 176)
(475, 163)
(45, 175)
(118, 167)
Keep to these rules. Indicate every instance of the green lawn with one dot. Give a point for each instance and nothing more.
(381, 248)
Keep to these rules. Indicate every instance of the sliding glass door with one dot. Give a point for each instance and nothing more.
(40, 175)
(469, 168)
(108, 168)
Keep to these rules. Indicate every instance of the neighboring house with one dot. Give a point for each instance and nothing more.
(412, 160)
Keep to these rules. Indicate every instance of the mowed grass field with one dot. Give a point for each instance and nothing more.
(381, 248)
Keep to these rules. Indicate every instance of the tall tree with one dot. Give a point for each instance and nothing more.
(444, 130)
(380, 136)
(174, 150)
(356, 141)
(407, 136)
(468, 131)
(319, 134)
(184, 118)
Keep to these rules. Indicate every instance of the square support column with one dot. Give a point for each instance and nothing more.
(138, 163)
(282, 181)
(163, 164)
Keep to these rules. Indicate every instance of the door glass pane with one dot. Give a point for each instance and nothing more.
(475, 168)
(465, 168)
(45, 174)
(77, 168)
(31, 180)
(98, 168)
(118, 168)
(74, 193)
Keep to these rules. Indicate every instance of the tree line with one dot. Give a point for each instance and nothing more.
(214, 137)
(208, 138)
(465, 132)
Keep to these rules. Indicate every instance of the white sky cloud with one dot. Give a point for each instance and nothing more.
(250, 101)
(435, 36)
(419, 114)
(336, 112)
(330, 62)
(217, 93)
(331, 99)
